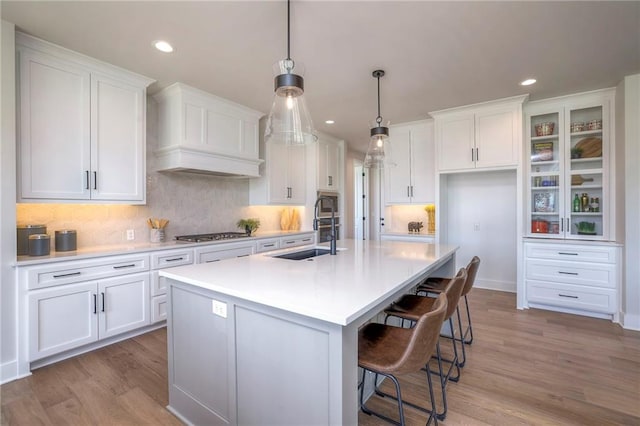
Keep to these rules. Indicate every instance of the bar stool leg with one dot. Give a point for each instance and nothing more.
(470, 328)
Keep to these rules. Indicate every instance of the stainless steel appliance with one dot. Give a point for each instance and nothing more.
(324, 229)
(214, 236)
(324, 205)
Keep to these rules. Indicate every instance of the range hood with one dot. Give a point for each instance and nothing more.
(184, 159)
(203, 133)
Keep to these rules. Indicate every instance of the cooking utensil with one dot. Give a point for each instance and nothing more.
(579, 180)
(590, 147)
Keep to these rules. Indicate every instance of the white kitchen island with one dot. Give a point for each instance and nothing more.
(265, 341)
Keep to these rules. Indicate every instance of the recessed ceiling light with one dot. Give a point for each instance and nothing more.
(528, 82)
(163, 46)
(329, 121)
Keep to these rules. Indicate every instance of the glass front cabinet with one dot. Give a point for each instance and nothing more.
(568, 167)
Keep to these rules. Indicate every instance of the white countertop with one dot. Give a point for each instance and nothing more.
(116, 249)
(337, 289)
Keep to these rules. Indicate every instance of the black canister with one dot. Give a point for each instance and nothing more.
(23, 233)
(66, 240)
(39, 244)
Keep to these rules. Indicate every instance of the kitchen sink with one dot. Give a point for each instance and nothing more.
(303, 254)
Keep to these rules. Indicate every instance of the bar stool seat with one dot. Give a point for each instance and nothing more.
(393, 351)
(411, 307)
(437, 285)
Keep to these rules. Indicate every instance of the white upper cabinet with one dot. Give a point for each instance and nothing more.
(206, 133)
(330, 164)
(81, 127)
(412, 180)
(480, 136)
(284, 179)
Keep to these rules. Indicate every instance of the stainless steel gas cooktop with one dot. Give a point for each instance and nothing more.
(215, 236)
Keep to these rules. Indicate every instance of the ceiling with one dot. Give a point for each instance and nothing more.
(436, 55)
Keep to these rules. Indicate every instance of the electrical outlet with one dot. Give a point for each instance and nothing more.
(219, 308)
(130, 235)
(476, 226)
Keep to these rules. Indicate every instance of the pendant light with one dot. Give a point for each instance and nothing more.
(289, 121)
(378, 154)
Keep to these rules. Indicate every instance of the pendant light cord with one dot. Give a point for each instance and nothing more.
(288, 30)
(379, 118)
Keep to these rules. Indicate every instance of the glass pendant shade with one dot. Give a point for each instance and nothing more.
(289, 121)
(379, 151)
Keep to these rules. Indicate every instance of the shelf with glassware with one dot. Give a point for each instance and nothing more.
(568, 172)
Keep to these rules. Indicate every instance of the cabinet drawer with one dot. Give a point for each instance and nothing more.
(584, 274)
(571, 296)
(267, 245)
(298, 240)
(171, 258)
(574, 253)
(85, 270)
(223, 251)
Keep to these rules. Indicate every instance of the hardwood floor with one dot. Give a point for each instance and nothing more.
(525, 367)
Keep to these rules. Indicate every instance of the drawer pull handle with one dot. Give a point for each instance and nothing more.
(211, 261)
(307, 239)
(567, 273)
(175, 259)
(567, 295)
(95, 303)
(567, 254)
(102, 301)
(289, 242)
(243, 255)
(70, 274)
(124, 266)
(269, 245)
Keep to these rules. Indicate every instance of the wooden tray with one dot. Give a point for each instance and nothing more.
(591, 147)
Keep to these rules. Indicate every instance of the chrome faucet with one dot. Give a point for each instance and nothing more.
(333, 221)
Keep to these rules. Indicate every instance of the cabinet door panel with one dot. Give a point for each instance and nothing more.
(296, 176)
(61, 318)
(495, 136)
(117, 140)
(54, 128)
(225, 135)
(124, 304)
(422, 164)
(398, 178)
(277, 161)
(456, 142)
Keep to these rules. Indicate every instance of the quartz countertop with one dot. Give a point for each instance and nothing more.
(337, 289)
(116, 249)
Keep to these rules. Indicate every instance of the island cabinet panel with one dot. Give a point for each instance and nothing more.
(273, 350)
(201, 362)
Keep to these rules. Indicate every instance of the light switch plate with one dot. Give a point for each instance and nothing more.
(219, 308)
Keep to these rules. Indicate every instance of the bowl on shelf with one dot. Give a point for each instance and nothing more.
(594, 125)
(544, 129)
(578, 126)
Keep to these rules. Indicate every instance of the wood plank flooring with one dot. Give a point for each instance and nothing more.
(524, 368)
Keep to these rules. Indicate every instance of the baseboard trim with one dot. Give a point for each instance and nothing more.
(630, 322)
(9, 372)
(508, 286)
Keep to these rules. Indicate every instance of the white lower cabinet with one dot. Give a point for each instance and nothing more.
(68, 316)
(215, 253)
(297, 240)
(576, 278)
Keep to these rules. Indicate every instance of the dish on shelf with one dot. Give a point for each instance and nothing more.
(589, 147)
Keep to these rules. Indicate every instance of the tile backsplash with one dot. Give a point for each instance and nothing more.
(193, 203)
(397, 217)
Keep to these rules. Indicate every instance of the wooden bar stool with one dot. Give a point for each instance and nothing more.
(393, 351)
(436, 285)
(411, 307)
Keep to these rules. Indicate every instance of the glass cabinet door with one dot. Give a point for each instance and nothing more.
(546, 181)
(585, 164)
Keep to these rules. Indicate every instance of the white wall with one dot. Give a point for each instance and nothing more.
(481, 216)
(8, 366)
(630, 134)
